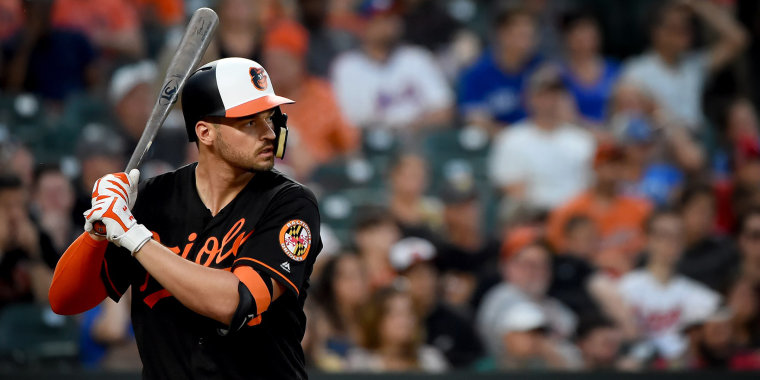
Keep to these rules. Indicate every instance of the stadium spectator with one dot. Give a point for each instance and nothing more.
(45, 59)
(132, 95)
(392, 337)
(341, 293)
(673, 74)
(662, 300)
(543, 161)
(468, 253)
(659, 153)
(325, 41)
(112, 25)
(491, 92)
(374, 235)
(17, 158)
(749, 247)
(600, 343)
(739, 121)
(708, 258)
(240, 32)
(317, 129)
(526, 275)
(415, 213)
(53, 204)
(737, 174)
(446, 330)
(385, 84)
(579, 284)
(14, 278)
(26, 255)
(12, 14)
(106, 338)
(744, 295)
(572, 267)
(742, 299)
(617, 218)
(343, 15)
(428, 24)
(590, 77)
(528, 344)
(166, 13)
(99, 152)
(711, 346)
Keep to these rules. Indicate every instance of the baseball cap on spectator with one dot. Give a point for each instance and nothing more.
(700, 316)
(458, 193)
(523, 316)
(289, 36)
(517, 239)
(372, 8)
(633, 130)
(128, 77)
(409, 251)
(98, 141)
(547, 78)
(608, 153)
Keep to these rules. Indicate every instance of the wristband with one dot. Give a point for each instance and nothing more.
(135, 238)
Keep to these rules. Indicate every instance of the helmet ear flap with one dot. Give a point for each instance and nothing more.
(280, 121)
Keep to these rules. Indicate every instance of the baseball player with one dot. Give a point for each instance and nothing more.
(218, 253)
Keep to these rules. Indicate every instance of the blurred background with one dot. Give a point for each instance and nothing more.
(504, 185)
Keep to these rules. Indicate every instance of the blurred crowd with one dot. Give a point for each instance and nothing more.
(504, 184)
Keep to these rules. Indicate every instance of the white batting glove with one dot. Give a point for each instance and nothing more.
(118, 185)
(121, 227)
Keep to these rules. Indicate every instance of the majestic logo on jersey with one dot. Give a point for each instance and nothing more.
(258, 78)
(295, 239)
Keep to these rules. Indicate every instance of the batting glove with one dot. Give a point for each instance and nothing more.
(121, 227)
(117, 185)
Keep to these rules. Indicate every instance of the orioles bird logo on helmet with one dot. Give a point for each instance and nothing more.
(258, 78)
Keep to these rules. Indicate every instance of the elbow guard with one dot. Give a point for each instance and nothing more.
(255, 292)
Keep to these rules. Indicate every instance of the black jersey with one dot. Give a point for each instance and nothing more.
(272, 226)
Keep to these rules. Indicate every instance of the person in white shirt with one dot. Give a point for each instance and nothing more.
(387, 85)
(670, 72)
(542, 161)
(662, 301)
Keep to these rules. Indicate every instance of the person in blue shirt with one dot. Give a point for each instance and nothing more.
(491, 90)
(589, 77)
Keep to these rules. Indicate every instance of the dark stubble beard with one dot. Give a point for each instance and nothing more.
(243, 160)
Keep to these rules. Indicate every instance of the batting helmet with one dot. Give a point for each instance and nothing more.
(233, 87)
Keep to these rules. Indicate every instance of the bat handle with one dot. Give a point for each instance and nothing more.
(98, 228)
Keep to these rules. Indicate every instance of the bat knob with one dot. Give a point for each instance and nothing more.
(99, 228)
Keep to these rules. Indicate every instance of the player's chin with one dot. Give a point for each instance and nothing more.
(263, 165)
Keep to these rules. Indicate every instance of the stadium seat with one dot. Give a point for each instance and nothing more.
(456, 155)
(345, 173)
(32, 335)
(339, 209)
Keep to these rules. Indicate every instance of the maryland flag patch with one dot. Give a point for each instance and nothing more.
(295, 239)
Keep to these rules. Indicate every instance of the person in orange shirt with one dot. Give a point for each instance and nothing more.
(12, 16)
(166, 12)
(618, 218)
(315, 117)
(112, 25)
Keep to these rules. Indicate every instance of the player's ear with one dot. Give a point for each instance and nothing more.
(206, 132)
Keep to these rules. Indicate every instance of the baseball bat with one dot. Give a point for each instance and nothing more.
(196, 39)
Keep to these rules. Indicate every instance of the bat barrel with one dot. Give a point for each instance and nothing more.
(196, 39)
